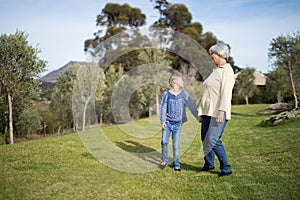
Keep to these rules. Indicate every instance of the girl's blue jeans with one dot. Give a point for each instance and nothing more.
(175, 128)
(211, 132)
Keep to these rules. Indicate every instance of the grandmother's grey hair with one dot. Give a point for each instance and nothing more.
(221, 49)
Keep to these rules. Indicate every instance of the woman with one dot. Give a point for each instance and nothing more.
(215, 109)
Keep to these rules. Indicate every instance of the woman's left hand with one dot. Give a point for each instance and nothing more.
(220, 117)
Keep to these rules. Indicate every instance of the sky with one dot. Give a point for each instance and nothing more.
(60, 27)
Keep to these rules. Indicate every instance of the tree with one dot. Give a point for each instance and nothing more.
(208, 39)
(244, 86)
(112, 75)
(84, 91)
(285, 52)
(177, 16)
(20, 67)
(277, 84)
(61, 99)
(114, 18)
(30, 122)
(156, 56)
(99, 97)
(46, 91)
(161, 6)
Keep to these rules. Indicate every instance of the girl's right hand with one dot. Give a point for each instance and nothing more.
(163, 126)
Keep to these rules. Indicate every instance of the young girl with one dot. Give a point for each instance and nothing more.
(172, 116)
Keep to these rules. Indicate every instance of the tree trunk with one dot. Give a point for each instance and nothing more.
(166, 42)
(74, 121)
(84, 113)
(157, 101)
(101, 118)
(58, 131)
(11, 129)
(293, 86)
(83, 117)
(278, 96)
(247, 99)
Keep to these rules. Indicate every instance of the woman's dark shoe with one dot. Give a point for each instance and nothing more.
(205, 169)
(224, 174)
(177, 169)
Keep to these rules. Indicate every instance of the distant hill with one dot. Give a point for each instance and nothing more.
(51, 77)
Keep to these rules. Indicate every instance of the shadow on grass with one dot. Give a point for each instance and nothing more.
(146, 153)
(134, 147)
(89, 156)
(188, 167)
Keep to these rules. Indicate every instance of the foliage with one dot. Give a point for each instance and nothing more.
(151, 93)
(48, 120)
(20, 67)
(30, 122)
(113, 19)
(141, 100)
(244, 85)
(161, 6)
(112, 75)
(84, 90)
(277, 85)
(177, 17)
(285, 52)
(61, 100)
(99, 97)
(4, 112)
(265, 166)
(46, 89)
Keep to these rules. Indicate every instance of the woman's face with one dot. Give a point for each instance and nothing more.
(216, 58)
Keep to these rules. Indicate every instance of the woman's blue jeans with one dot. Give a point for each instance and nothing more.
(211, 132)
(176, 130)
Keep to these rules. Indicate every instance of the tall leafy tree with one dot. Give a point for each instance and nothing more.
(157, 56)
(20, 67)
(177, 16)
(161, 6)
(244, 86)
(285, 52)
(84, 91)
(99, 97)
(61, 99)
(113, 19)
(112, 75)
(277, 84)
(30, 122)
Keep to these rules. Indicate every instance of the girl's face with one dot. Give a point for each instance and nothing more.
(178, 81)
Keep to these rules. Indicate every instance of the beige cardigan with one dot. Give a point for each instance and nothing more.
(217, 92)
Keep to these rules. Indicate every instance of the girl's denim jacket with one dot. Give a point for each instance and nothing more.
(172, 107)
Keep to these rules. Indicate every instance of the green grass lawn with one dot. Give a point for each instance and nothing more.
(265, 163)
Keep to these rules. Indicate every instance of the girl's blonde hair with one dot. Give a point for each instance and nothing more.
(174, 76)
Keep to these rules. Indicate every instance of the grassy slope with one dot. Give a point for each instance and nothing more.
(265, 162)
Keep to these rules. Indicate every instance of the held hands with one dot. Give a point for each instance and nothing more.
(163, 126)
(199, 118)
(220, 117)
